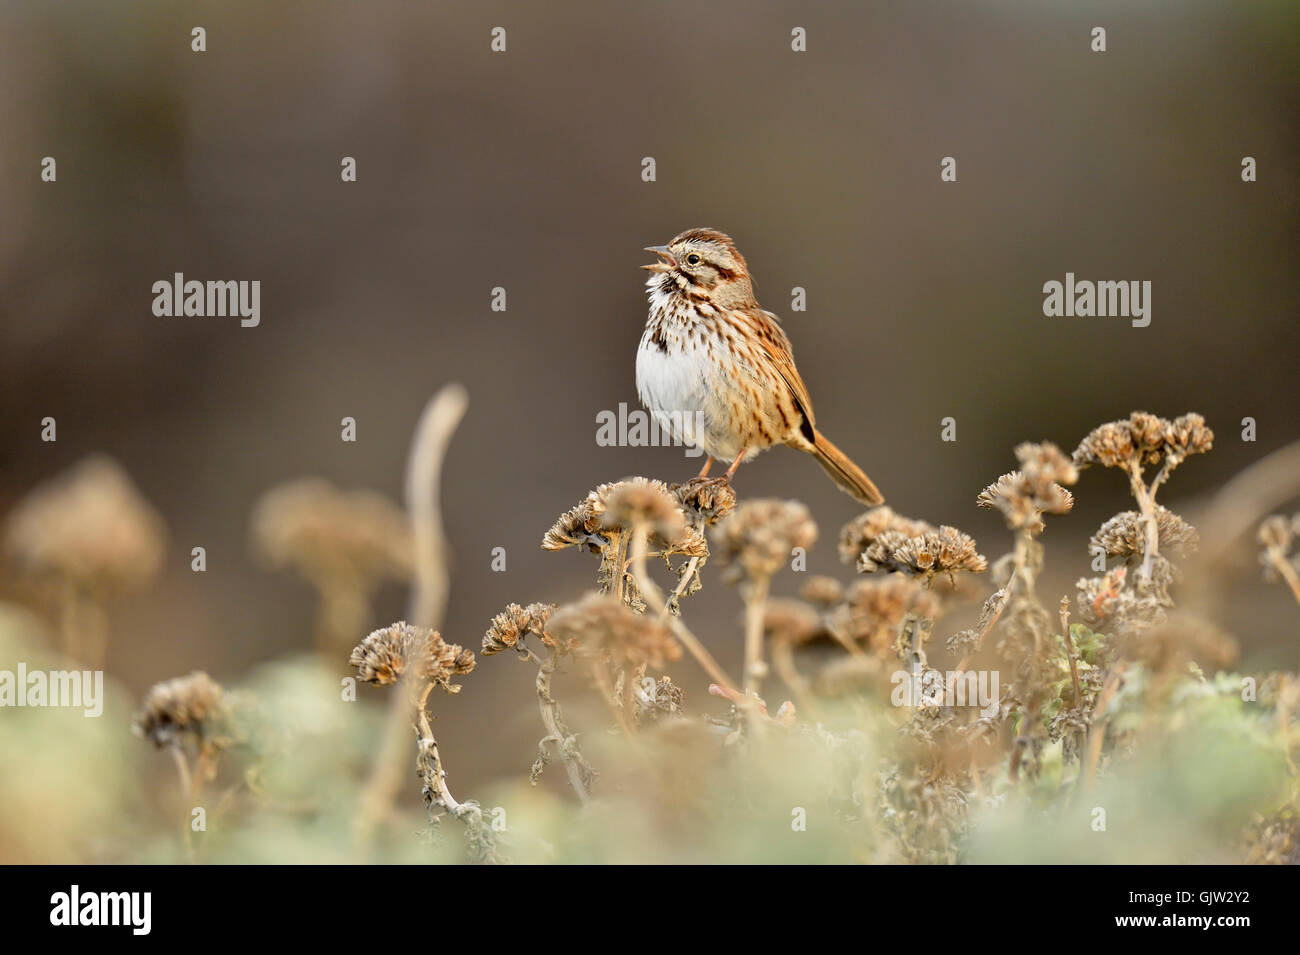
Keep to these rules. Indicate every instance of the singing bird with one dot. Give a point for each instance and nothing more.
(717, 370)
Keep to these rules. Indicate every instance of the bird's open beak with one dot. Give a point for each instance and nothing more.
(666, 259)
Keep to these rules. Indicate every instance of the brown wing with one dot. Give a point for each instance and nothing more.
(777, 348)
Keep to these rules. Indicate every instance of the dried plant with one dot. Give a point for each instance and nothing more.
(1134, 444)
(86, 536)
(416, 660)
(757, 540)
(1133, 696)
(1277, 537)
(344, 543)
(192, 718)
(509, 631)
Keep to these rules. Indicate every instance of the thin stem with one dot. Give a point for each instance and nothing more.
(654, 597)
(788, 671)
(1069, 650)
(1019, 557)
(602, 681)
(579, 772)
(428, 765)
(1146, 504)
(433, 434)
(428, 762)
(755, 597)
(680, 589)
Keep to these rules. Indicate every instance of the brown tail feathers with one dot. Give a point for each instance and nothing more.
(844, 472)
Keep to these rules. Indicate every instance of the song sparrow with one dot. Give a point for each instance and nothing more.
(718, 372)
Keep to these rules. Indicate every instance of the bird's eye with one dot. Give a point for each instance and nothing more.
(692, 259)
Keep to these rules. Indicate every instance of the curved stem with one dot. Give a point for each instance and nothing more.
(580, 773)
(654, 597)
(428, 762)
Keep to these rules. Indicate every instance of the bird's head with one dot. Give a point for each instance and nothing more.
(703, 263)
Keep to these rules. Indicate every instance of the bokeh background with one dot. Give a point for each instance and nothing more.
(522, 169)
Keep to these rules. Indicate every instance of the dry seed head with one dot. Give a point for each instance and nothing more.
(945, 551)
(790, 621)
(512, 625)
(192, 707)
(705, 499)
(1044, 463)
(1124, 535)
(329, 535)
(579, 526)
(610, 508)
(604, 628)
(760, 535)
(1144, 439)
(640, 501)
(1021, 503)
(386, 655)
(823, 591)
(89, 527)
(1023, 496)
(1188, 435)
(864, 530)
(874, 609)
(1148, 432)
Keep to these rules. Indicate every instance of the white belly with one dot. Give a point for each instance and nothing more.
(676, 387)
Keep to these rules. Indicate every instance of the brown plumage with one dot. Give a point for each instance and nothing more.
(718, 371)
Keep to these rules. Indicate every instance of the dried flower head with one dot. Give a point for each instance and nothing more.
(874, 609)
(330, 535)
(790, 621)
(580, 525)
(1187, 435)
(512, 625)
(89, 527)
(1115, 603)
(1023, 496)
(705, 499)
(606, 629)
(607, 511)
(1124, 535)
(190, 707)
(1144, 439)
(386, 655)
(864, 530)
(639, 501)
(822, 591)
(1044, 463)
(945, 551)
(758, 538)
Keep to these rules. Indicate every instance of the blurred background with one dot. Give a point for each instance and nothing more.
(522, 170)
